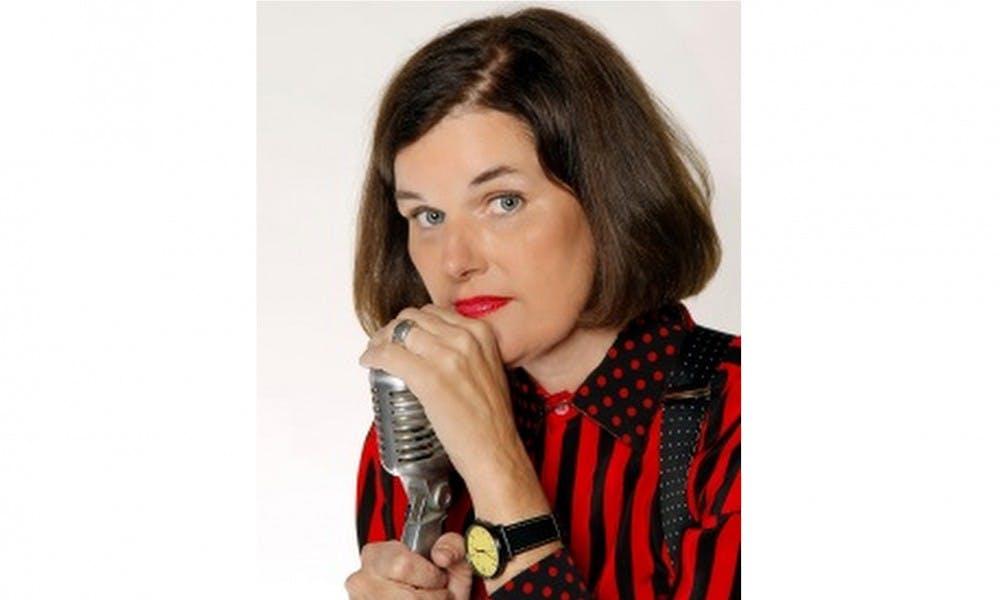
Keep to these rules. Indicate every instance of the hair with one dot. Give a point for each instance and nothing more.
(598, 131)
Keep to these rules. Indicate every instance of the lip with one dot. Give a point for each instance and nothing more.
(480, 306)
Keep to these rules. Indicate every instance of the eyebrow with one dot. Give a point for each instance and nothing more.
(485, 176)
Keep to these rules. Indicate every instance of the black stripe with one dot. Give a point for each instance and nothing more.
(704, 557)
(366, 506)
(623, 543)
(734, 593)
(732, 470)
(710, 461)
(715, 409)
(388, 496)
(567, 473)
(470, 516)
(661, 576)
(731, 354)
(605, 443)
(713, 445)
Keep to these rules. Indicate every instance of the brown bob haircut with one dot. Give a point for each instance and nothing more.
(598, 131)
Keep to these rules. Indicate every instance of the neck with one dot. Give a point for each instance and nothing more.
(568, 364)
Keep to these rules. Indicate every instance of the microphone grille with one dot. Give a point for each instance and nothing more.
(405, 435)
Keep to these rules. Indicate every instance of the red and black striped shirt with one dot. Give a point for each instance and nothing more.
(597, 455)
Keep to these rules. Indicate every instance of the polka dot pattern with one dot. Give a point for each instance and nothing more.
(556, 577)
(622, 393)
(632, 376)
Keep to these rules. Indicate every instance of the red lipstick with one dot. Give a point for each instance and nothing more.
(480, 306)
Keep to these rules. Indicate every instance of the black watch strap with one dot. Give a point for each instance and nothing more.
(531, 533)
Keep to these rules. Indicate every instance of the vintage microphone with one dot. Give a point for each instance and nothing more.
(409, 449)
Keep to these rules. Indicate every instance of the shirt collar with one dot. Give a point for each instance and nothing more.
(623, 393)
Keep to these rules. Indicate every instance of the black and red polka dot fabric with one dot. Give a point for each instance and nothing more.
(596, 450)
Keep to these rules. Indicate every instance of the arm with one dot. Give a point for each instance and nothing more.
(452, 363)
(708, 565)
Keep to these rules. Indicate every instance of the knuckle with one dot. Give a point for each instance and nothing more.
(407, 313)
(367, 552)
(467, 342)
(481, 330)
(438, 379)
(451, 360)
(354, 583)
(400, 568)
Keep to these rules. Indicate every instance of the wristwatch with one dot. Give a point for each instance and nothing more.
(489, 547)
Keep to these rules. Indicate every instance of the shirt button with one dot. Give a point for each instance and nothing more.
(561, 409)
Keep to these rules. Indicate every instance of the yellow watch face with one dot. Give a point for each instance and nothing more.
(482, 551)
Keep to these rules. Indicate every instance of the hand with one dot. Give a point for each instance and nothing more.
(391, 570)
(452, 364)
(448, 553)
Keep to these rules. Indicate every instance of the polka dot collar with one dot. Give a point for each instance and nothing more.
(623, 393)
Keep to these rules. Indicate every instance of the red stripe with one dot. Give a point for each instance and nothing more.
(370, 458)
(718, 476)
(688, 552)
(667, 560)
(399, 505)
(586, 465)
(646, 492)
(614, 489)
(727, 550)
(366, 459)
(732, 502)
(731, 395)
(555, 430)
(458, 512)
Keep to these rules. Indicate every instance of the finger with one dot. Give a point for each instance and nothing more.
(448, 550)
(395, 562)
(431, 322)
(435, 333)
(366, 586)
(435, 328)
(479, 328)
(390, 356)
(400, 592)
(440, 343)
(467, 337)
(449, 554)
(386, 334)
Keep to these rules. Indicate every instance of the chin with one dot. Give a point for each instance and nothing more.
(511, 356)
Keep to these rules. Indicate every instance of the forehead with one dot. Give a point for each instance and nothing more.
(466, 143)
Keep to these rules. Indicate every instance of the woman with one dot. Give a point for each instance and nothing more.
(530, 222)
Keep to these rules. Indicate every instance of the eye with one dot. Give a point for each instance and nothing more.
(428, 217)
(507, 203)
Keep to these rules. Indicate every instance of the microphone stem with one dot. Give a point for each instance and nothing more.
(429, 497)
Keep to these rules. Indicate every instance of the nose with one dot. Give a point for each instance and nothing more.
(462, 253)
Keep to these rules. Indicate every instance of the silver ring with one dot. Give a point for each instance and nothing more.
(401, 330)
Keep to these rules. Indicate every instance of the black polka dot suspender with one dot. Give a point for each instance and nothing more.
(688, 396)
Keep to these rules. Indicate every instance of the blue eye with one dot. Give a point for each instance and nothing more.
(429, 217)
(507, 204)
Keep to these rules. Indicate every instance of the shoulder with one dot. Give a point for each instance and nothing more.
(717, 356)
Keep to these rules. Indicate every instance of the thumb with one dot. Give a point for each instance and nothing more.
(448, 553)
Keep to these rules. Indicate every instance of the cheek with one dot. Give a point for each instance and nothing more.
(568, 252)
(423, 262)
(556, 259)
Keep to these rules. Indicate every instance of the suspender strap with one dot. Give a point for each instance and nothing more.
(685, 404)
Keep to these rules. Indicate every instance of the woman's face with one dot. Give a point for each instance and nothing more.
(491, 236)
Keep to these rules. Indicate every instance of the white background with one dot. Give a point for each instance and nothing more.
(127, 304)
(321, 71)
